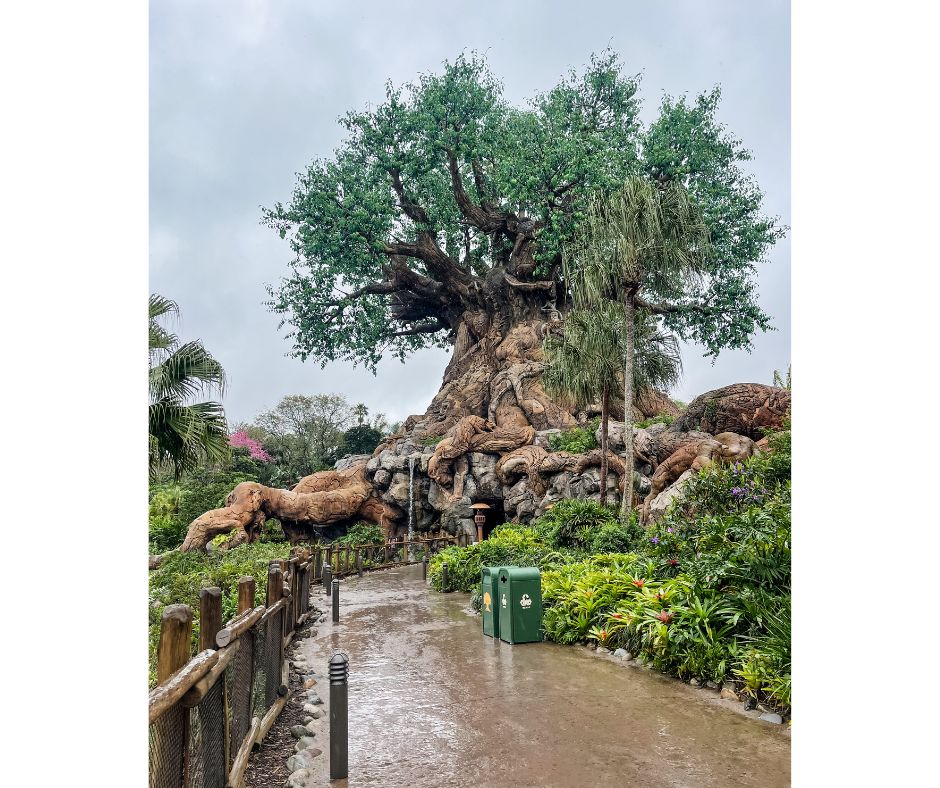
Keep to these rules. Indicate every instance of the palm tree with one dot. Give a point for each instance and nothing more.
(182, 433)
(585, 364)
(644, 237)
(360, 411)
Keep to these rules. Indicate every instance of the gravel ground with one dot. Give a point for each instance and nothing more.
(267, 765)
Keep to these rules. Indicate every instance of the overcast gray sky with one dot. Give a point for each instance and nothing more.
(244, 93)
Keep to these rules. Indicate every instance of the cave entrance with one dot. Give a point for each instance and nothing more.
(494, 515)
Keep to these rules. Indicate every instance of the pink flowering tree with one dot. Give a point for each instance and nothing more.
(242, 440)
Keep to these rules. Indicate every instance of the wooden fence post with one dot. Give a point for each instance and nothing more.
(275, 584)
(210, 616)
(295, 591)
(173, 651)
(246, 594)
(176, 632)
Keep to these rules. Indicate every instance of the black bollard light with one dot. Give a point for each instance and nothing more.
(424, 567)
(327, 578)
(444, 577)
(359, 562)
(335, 601)
(339, 716)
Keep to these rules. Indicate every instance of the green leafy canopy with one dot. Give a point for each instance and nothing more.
(445, 185)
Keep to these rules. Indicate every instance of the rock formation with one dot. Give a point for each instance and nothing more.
(500, 459)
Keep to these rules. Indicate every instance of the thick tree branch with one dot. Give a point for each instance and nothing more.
(412, 210)
(484, 220)
(480, 181)
(528, 286)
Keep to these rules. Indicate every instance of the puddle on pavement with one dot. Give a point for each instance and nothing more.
(433, 702)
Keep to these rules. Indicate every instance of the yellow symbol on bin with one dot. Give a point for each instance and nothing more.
(487, 601)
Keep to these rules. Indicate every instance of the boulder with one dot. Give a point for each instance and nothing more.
(398, 491)
(520, 500)
(483, 469)
(743, 408)
(390, 461)
(303, 759)
(382, 479)
(454, 517)
(438, 497)
(662, 502)
(347, 462)
(299, 779)
(304, 743)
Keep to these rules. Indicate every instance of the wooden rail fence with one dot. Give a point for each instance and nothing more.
(208, 710)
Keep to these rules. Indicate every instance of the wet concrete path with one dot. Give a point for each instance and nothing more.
(433, 702)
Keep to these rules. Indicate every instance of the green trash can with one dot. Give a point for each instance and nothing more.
(520, 604)
(489, 595)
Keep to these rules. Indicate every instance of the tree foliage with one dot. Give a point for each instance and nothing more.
(183, 433)
(304, 434)
(361, 439)
(446, 198)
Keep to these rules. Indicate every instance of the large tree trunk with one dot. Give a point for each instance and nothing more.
(495, 372)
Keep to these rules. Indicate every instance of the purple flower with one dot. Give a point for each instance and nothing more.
(669, 530)
(655, 540)
(737, 492)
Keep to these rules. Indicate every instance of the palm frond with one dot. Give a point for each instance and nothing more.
(186, 372)
(182, 434)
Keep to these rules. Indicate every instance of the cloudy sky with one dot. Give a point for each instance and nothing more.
(244, 93)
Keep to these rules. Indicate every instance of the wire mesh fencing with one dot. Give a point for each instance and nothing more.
(205, 710)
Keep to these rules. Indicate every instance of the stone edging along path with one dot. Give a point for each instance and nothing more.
(300, 736)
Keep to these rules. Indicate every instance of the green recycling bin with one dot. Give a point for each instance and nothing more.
(489, 595)
(520, 604)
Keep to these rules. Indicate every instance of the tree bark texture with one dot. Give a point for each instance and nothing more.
(605, 414)
(627, 502)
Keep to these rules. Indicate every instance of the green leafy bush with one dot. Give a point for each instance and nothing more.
(181, 576)
(507, 545)
(662, 418)
(362, 533)
(576, 440)
(573, 522)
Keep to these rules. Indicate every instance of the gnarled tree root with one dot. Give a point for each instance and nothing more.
(317, 501)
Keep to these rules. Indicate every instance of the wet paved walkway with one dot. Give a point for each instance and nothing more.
(433, 702)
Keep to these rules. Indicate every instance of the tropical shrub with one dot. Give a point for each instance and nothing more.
(573, 522)
(507, 546)
(362, 533)
(576, 440)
